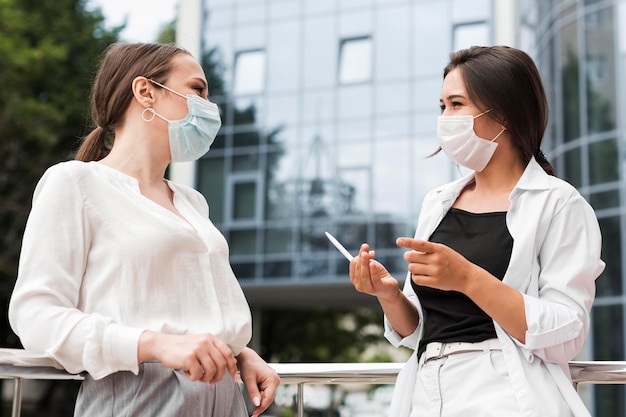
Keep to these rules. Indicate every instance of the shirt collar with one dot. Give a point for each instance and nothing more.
(533, 178)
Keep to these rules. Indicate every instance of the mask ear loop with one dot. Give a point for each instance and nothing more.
(149, 110)
(497, 136)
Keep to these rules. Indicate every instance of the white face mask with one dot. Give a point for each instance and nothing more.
(191, 137)
(459, 141)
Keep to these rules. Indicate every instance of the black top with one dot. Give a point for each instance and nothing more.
(483, 239)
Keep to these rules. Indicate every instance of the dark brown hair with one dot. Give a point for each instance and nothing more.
(506, 80)
(111, 93)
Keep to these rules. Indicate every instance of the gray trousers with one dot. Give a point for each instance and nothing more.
(158, 391)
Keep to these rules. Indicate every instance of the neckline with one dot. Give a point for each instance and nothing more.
(471, 213)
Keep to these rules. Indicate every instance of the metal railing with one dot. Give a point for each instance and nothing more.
(300, 374)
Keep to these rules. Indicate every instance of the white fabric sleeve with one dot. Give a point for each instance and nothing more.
(558, 319)
(43, 308)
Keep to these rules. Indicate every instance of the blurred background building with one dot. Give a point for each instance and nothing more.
(329, 113)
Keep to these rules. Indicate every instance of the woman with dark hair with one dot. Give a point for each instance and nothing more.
(503, 264)
(122, 274)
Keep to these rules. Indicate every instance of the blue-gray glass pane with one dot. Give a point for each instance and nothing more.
(610, 282)
(356, 23)
(253, 13)
(465, 35)
(393, 98)
(431, 41)
(243, 242)
(392, 45)
(355, 60)
(605, 199)
(244, 200)
(600, 66)
(316, 268)
(283, 70)
(281, 10)
(315, 7)
(247, 162)
(277, 269)
(278, 240)
(211, 185)
(249, 72)
(320, 52)
(355, 101)
(608, 340)
(603, 162)
(246, 138)
(572, 170)
(244, 270)
(390, 177)
(570, 86)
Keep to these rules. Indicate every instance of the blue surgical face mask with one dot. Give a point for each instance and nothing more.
(191, 137)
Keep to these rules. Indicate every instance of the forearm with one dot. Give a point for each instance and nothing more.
(400, 312)
(499, 301)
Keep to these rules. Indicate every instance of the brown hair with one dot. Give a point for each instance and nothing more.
(506, 80)
(111, 93)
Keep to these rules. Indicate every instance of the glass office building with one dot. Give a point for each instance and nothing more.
(580, 48)
(329, 113)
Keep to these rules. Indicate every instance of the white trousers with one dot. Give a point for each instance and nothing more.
(472, 384)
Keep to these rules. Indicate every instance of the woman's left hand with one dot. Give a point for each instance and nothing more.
(436, 265)
(259, 378)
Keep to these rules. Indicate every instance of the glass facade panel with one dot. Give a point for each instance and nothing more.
(469, 34)
(572, 172)
(570, 83)
(249, 72)
(610, 282)
(284, 57)
(608, 322)
(605, 199)
(600, 64)
(211, 182)
(392, 45)
(244, 200)
(355, 60)
(243, 242)
(603, 162)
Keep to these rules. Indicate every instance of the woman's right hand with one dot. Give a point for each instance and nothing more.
(371, 277)
(202, 357)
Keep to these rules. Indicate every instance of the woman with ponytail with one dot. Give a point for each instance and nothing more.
(502, 267)
(122, 275)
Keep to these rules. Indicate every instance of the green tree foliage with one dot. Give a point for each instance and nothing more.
(49, 54)
(321, 335)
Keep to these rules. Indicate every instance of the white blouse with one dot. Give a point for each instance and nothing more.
(101, 263)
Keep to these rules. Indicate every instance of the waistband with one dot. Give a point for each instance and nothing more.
(437, 350)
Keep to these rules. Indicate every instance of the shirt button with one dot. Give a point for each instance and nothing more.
(521, 393)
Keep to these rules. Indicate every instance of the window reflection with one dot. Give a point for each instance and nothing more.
(570, 83)
(355, 60)
(249, 72)
(465, 35)
(610, 282)
(603, 162)
(608, 343)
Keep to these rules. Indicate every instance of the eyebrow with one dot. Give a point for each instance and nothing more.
(204, 83)
(453, 96)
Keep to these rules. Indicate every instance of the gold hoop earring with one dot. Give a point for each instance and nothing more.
(143, 114)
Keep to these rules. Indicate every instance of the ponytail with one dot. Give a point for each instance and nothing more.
(544, 163)
(93, 146)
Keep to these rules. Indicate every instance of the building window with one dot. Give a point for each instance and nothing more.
(355, 60)
(249, 75)
(469, 34)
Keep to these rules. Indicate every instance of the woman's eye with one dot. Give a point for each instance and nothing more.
(442, 107)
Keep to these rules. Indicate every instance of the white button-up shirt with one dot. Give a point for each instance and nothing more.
(101, 263)
(554, 264)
